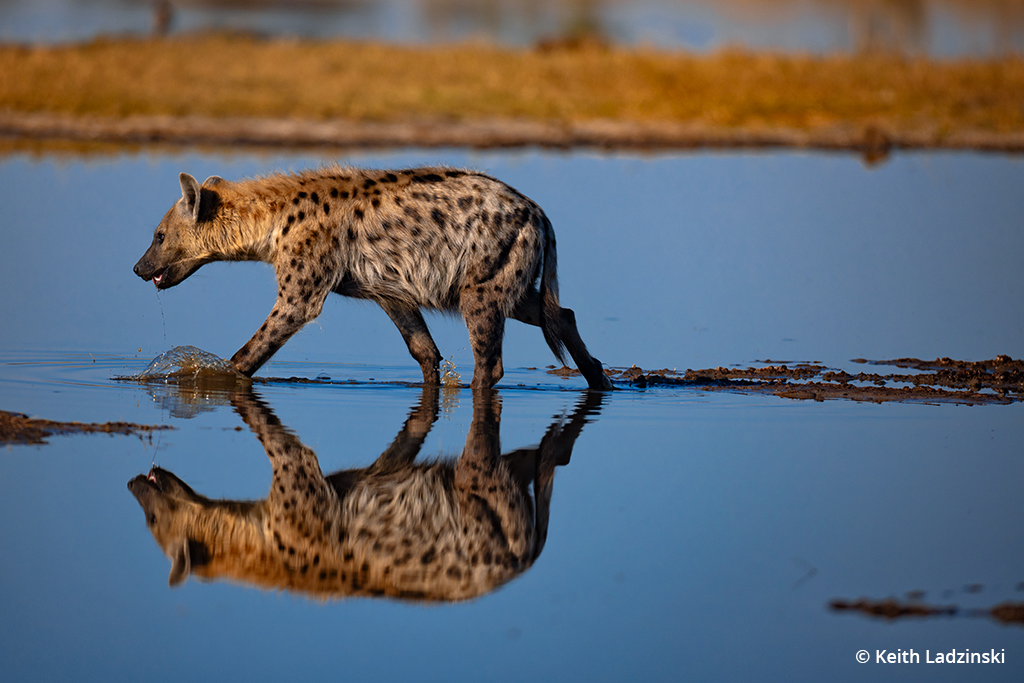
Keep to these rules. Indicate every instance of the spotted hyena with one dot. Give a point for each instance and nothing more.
(427, 238)
(441, 530)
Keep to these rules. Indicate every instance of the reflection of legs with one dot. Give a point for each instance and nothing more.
(406, 446)
(486, 487)
(295, 466)
(410, 323)
(486, 328)
(528, 311)
(556, 449)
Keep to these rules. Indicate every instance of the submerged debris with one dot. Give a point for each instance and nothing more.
(1008, 613)
(890, 609)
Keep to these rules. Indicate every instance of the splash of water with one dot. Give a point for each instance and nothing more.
(449, 377)
(185, 361)
(450, 388)
(186, 381)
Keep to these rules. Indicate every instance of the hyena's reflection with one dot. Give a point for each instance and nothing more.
(443, 530)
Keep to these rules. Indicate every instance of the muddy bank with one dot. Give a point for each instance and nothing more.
(872, 142)
(16, 428)
(943, 380)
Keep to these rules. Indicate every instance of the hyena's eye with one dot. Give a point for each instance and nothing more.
(160, 237)
(152, 519)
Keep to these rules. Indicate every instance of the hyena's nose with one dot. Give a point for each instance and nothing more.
(136, 269)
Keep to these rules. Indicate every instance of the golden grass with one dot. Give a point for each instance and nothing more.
(216, 75)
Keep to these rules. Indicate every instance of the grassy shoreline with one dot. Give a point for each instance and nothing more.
(241, 89)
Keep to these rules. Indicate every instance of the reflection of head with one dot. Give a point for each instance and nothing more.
(180, 520)
(442, 530)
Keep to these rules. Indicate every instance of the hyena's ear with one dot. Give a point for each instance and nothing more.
(181, 564)
(213, 180)
(190, 194)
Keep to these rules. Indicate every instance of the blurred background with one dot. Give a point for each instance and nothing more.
(937, 28)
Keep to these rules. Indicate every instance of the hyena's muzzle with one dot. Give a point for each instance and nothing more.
(163, 266)
(147, 270)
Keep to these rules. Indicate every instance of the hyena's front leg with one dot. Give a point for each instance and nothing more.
(287, 317)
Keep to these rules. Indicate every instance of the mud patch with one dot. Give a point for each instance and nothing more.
(890, 609)
(943, 380)
(17, 428)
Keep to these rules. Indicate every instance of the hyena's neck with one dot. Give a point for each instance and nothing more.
(248, 213)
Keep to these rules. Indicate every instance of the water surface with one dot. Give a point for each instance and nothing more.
(692, 535)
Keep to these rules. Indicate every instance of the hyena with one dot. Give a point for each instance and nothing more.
(438, 531)
(426, 238)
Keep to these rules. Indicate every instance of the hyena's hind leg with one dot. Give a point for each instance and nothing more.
(482, 308)
(413, 327)
(529, 311)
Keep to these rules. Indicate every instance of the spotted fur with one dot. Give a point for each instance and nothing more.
(442, 530)
(428, 238)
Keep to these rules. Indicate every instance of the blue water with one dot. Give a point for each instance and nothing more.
(669, 261)
(693, 535)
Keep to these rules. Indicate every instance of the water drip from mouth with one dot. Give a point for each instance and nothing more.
(163, 319)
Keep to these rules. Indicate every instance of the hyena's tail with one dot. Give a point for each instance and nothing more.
(551, 308)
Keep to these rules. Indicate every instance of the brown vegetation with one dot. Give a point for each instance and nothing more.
(472, 93)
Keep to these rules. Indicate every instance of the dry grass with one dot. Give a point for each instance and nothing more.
(238, 76)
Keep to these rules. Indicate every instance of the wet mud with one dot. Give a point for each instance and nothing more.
(17, 428)
(943, 380)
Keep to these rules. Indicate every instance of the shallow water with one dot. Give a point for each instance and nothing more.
(692, 534)
(942, 28)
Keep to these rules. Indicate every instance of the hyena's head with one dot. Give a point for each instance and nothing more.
(180, 243)
(191, 529)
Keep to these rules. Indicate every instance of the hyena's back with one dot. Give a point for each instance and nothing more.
(431, 237)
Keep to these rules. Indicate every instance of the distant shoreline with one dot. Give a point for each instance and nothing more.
(870, 141)
(221, 89)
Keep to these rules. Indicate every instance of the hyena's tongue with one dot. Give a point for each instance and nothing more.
(158, 278)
